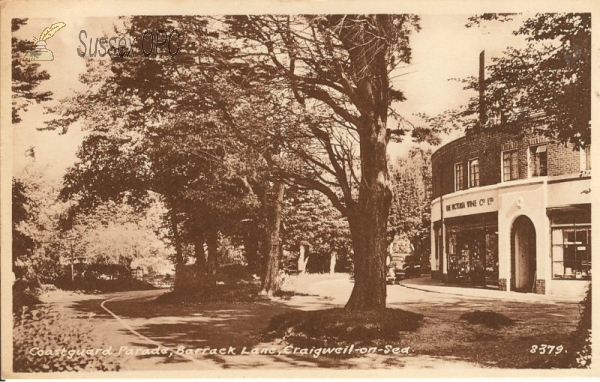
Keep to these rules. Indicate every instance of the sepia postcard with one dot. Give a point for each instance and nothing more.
(298, 189)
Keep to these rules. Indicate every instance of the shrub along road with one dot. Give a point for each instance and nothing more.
(231, 335)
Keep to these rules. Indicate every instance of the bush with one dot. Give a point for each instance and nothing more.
(25, 294)
(92, 285)
(47, 329)
(582, 338)
(490, 319)
(341, 327)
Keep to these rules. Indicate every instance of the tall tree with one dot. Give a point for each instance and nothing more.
(337, 67)
(311, 88)
(151, 130)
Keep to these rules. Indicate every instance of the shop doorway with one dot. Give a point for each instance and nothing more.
(523, 254)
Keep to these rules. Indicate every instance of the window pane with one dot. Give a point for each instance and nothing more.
(581, 236)
(571, 253)
(474, 173)
(510, 165)
(557, 236)
(459, 177)
(543, 163)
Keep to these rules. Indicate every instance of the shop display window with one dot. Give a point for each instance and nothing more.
(473, 256)
(571, 253)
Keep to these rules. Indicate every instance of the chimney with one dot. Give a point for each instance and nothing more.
(482, 111)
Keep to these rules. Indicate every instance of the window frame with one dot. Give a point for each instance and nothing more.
(505, 152)
(471, 185)
(575, 229)
(532, 161)
(462, 176)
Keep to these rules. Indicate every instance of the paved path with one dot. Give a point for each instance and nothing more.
(426, 284)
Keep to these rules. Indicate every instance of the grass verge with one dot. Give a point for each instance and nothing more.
(341, 327)
(488, 318)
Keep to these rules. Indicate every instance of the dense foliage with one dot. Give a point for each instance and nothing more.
(46, 329)
(410, 214)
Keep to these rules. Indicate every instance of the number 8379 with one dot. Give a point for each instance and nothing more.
(546, 349)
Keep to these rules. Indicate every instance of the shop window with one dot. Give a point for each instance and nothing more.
(586, 162)
(538, 161)
(473, 256)
(474, 173)
(510, 165)
(459, 176)
(571, 253)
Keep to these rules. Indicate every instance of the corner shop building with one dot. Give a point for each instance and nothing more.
(513, 213)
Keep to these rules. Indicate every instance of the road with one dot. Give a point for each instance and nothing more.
(132, 322)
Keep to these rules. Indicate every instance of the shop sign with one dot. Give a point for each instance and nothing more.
(474, 203)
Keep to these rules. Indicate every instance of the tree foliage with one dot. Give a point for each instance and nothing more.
(309, 219)
(36, 246)
(545, 86)
(337, 69)
(410, 215)
(154, 129)
(26, 76)
(300, 99)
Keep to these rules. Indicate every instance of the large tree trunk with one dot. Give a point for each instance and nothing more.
(368, 217)
(180, 281)
(270, 280)
(303, 259)
(200, 254)
(251, 252)
(368, 230)
(332, 262)
(368, 227)
(212, 241)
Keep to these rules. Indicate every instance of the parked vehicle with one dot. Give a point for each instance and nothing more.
(404, 266)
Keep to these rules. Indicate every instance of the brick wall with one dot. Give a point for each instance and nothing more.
(562, 159)
(488, 148)
(540, 286)
(502, 284)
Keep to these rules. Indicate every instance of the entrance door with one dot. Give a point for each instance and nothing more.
(523, 254)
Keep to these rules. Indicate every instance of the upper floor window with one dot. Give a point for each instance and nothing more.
(474, 173)
(538, 161)
(459, 176)
(510, 165)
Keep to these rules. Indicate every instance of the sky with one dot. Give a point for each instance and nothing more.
(443, 49)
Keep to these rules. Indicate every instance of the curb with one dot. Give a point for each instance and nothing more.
(543, 300)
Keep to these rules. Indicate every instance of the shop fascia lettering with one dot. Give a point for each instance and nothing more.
(470, 204)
